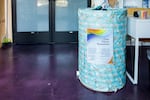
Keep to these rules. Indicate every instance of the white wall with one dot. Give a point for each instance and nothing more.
(133, 3)
(8, 22)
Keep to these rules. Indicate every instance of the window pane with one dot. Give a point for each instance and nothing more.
(32, 15)
(66, 15)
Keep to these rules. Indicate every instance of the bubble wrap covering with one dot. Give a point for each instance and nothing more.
(107, 77)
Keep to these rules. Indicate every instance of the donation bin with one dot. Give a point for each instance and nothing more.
(102, 43)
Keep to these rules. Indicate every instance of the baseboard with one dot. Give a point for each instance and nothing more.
(141, 43)
(4, 45)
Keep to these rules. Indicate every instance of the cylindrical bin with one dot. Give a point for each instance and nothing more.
(102, 43)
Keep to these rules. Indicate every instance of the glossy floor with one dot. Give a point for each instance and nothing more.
(48, 72)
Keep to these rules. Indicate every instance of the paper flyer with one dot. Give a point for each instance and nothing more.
(100, 46)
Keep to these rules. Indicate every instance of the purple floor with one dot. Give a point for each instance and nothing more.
(48, 72)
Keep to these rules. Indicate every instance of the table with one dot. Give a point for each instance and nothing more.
(137, 28)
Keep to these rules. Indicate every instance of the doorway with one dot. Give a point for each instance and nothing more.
(46, 21)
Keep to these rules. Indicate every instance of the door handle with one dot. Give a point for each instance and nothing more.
(32, 33)
(71, 32)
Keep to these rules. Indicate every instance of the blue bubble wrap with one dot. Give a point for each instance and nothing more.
(103, 77)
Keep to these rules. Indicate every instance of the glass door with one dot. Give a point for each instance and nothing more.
(46, 21)
(66, 19)
(32, 24)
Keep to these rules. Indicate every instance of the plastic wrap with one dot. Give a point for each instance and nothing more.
(102, 43)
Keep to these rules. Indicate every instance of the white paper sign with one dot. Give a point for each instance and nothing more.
(100, 46)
